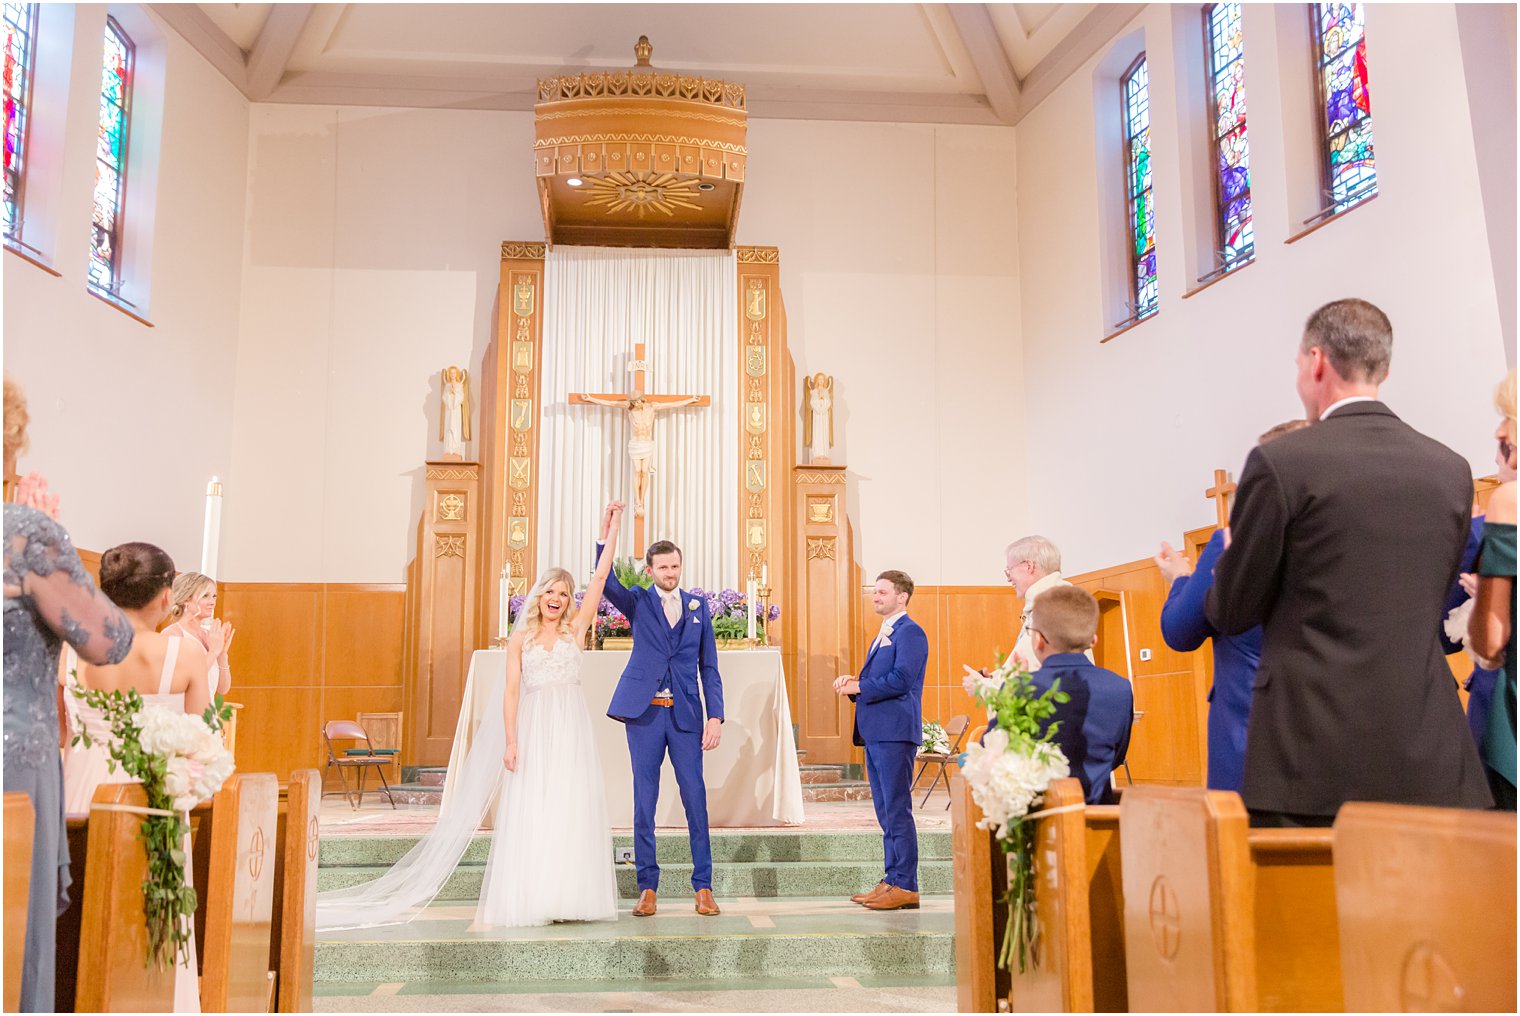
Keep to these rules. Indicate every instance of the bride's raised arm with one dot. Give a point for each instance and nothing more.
(593, 598)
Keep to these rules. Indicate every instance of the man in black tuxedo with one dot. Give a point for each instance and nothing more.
(1344, 539)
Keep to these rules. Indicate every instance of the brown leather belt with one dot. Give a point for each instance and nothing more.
(666, 702)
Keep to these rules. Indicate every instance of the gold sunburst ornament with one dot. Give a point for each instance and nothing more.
(641, 193)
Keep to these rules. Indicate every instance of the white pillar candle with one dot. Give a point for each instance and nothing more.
(211, 532)
(750, 603)
(765, 576)
(502, 613)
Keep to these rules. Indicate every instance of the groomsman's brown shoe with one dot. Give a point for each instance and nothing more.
(706, 905)
(645, 906)
(871, 893)
(894, 899)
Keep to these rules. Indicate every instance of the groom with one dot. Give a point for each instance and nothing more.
(657, 700)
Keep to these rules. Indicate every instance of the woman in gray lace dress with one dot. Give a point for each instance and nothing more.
(49, 599)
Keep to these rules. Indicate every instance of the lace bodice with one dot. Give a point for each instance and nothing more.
(49, 599)
(545, 668)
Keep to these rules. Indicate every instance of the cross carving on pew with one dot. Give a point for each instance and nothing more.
(1220, 494)
(641, 408)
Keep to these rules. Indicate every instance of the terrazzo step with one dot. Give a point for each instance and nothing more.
(750, 940)
(670, 847)
(766, 880)
(841, 790)
(817, 775)
(410, 793)
(432, 776)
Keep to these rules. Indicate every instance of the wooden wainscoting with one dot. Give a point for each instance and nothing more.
(306, 653)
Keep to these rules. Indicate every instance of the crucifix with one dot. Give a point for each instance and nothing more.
(641, 408)
(1220, 495)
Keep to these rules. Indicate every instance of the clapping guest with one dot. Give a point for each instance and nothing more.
(1032, 565)
(1491, 629)
(49, 599)
(1185, 627)
(192, 612)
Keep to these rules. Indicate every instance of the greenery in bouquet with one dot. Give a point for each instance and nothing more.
(180, 760)
(1009, 773)
(936, 739)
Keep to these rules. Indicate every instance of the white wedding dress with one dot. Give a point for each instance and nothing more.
(551, 851)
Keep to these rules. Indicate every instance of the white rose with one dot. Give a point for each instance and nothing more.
(179, 783)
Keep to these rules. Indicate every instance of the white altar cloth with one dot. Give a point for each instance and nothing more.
(752, 776)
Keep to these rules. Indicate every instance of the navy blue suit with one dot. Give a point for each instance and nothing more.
(1185, 626)
(889, 722)
(1480, 684)
(1094, 726)
(676, 658)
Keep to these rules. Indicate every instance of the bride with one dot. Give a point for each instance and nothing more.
(551, 851)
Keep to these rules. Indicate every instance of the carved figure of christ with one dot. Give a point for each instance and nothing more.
(641, 408)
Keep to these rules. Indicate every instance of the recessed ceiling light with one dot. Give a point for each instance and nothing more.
(574, 181)
(704, 186)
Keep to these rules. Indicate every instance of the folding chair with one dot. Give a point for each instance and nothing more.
(956, 729)
(362, 759)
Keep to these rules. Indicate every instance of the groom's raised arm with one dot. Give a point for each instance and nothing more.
(615, 591)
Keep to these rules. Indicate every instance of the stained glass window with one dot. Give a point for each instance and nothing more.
(1137, 136)
(20, 33)
(111, 159)
(1350, 175)
(1232, 152)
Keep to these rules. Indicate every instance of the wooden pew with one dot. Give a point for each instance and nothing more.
(980, 878)
(234, 864)
(1427, 908)
(66, 951)
(1078, 964)
(293, 944)
(1219, 917)
(113, 973)
(19, 828)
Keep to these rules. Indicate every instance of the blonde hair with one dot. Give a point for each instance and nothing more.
(1504, 402)
(187, 586)
(16, 418)
(532, 618)
(1068, 618)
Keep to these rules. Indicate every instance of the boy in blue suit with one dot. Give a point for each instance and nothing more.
(889, 722)
(1095, 723)
(658, 702)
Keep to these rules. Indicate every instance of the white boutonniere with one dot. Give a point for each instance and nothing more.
(691, 604)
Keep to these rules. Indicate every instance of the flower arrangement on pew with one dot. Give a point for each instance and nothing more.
(936, 740)
(180, 761)
(1009, 773)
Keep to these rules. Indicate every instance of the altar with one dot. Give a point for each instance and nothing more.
(752, 776)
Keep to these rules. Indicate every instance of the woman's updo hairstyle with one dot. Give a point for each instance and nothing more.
(133, 573)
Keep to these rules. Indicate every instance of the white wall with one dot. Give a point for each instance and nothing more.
(372, 258)
(129, 422)
(1126, 434)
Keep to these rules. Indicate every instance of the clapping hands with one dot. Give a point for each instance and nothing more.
(1172, 563)
(847, 684)
(32, 491)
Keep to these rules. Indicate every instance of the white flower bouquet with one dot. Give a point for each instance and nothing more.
(180, 761)
(1009, 773)
(936, 740)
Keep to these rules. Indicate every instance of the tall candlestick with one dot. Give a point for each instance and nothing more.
(503, 615)
(750, 604)
(765, 575)
(211, 532)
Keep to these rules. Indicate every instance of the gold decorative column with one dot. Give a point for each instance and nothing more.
(444, 597)
(824, 628)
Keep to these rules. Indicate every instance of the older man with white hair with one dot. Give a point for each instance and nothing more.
(1033, 566)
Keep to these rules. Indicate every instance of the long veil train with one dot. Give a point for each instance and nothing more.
(401, 893)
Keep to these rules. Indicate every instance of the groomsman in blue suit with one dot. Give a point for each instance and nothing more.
(889, 722)
(658, 702)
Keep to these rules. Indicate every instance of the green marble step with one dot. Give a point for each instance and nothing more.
(778, 845)
(796, 939)
(765, 879)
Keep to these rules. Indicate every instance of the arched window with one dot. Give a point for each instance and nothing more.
(1345, 102)
(1232, 153)
(1142, 224)
(20, 35)
(111, 160)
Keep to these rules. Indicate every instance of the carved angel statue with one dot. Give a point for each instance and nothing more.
(818, 421)
(454, 411)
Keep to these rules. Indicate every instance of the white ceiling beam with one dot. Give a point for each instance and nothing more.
(999, 83)
(1081, 44)
(271, 53)
(207, 39)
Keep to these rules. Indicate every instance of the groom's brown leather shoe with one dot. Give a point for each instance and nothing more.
(706, 906)
(645, 906)
(894, 899)
(871, 893)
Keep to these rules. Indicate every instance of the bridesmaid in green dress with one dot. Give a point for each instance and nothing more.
(1491, 631)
